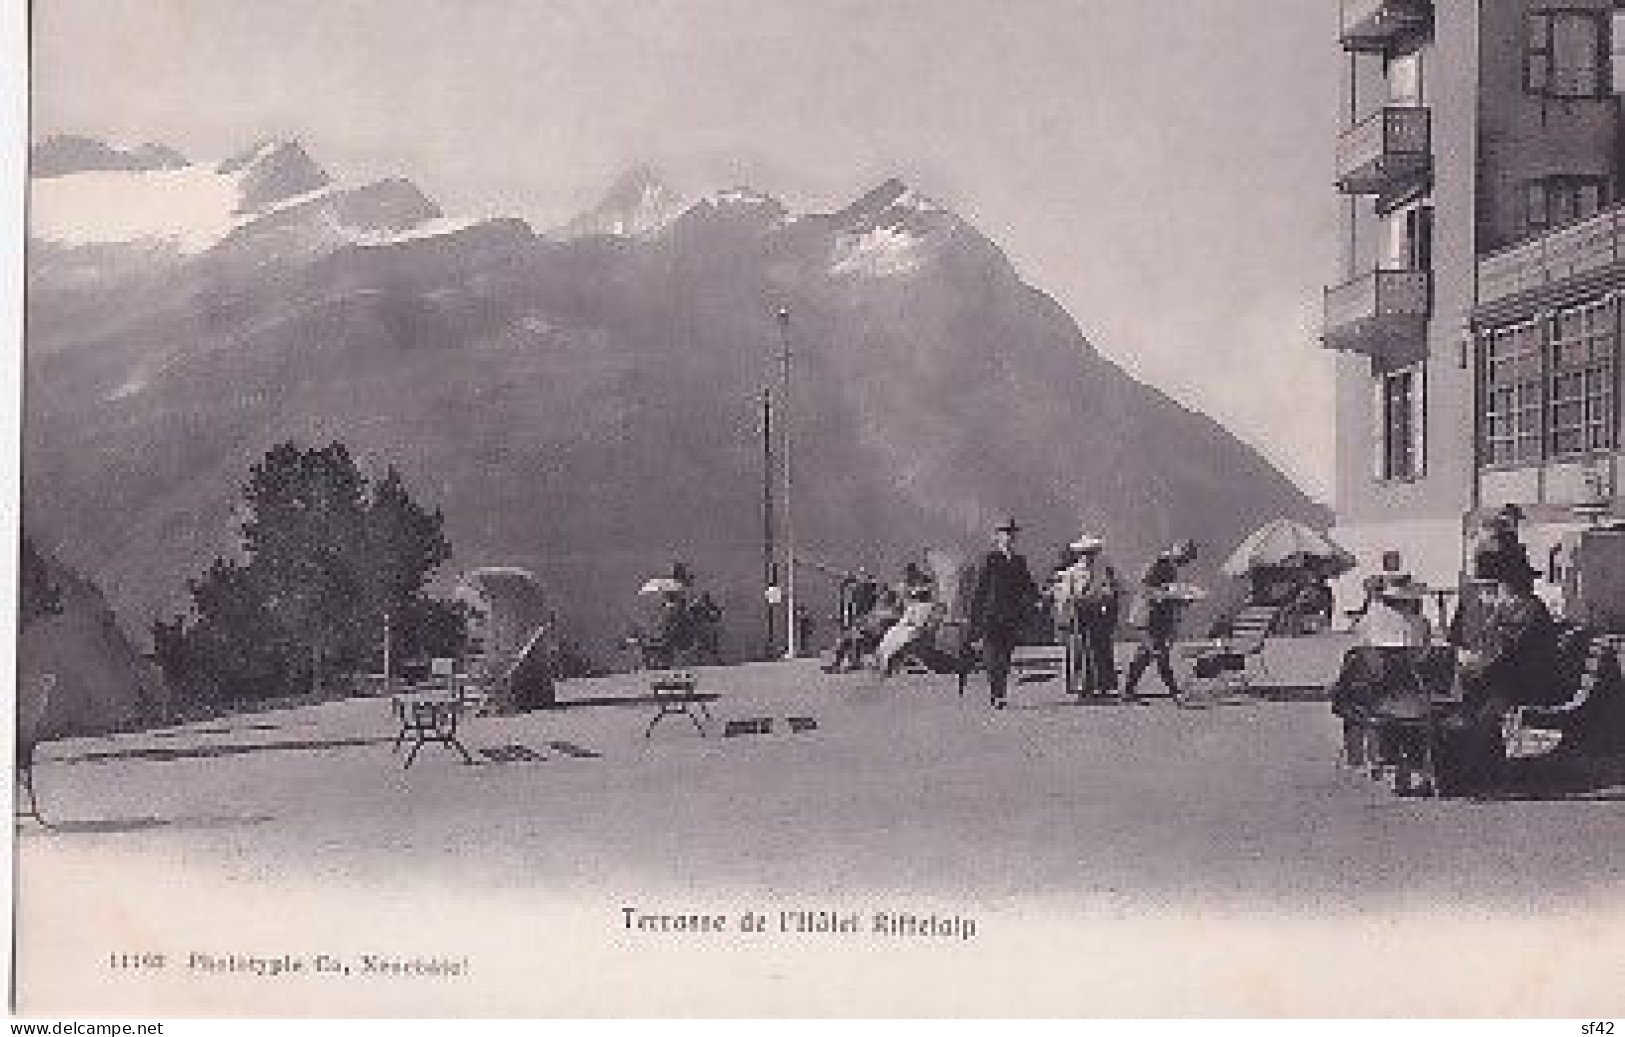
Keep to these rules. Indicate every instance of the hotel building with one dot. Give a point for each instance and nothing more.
(1476, 315)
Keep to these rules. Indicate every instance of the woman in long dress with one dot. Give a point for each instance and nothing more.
(1087, 594)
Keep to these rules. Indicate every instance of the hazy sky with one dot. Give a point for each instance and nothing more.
(1163, 167)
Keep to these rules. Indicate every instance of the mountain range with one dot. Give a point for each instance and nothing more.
(585, 402)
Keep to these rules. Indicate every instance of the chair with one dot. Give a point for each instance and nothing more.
(1227, 657)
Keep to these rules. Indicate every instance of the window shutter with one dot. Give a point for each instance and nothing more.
(1379, 428)
(1419, 421)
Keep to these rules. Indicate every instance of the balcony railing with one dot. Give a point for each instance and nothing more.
(1569, 252)
(1374, 25)
(1382, 314)
(1388, 150)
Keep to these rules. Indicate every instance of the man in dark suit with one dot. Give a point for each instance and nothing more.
(1510, 660)
(1004, 598)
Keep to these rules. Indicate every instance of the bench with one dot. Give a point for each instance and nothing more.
(1529, 732)
(429, 716)
(675, 694)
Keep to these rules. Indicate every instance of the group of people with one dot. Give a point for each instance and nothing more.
(686, 628)
(890, 623)
(1083, 599)
(1504, 638)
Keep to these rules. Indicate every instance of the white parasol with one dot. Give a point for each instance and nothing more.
(1287, 543)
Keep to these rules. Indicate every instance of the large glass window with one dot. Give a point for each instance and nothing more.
(1549, 387)
(1581, 364)
(1564, 53)
(1512, 395)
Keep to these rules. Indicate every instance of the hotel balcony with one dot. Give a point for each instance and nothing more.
(1571, 261)
(1386, 152)
(1374, 25)
(1382, 315)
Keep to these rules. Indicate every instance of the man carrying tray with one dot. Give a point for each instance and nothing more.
(1157, 612)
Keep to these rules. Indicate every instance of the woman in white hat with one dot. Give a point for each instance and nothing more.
(1086, 599)
(1394, 618)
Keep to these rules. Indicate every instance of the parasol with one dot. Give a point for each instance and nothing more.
(1286, 543)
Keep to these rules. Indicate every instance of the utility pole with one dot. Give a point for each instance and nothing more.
(792, 638)
(769, 568)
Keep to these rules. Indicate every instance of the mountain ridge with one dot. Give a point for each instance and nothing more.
(588, 406)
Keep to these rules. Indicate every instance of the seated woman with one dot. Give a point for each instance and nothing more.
(913, 626)
(1386, 678)
(865, 634)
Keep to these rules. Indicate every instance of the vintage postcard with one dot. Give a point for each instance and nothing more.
(821, 508)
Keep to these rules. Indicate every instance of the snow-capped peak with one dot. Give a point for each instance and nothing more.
(191, 208)
(893, 197)
(62, 154)
(909, 199)
(744, 202)
(881, 251)
(886, 233)
(638, 204)
(273, 171)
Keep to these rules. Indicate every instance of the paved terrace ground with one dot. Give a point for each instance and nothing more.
(904, 791)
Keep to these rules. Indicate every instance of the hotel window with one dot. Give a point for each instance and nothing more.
(1582, 367)
(1513, 395)
(1409, 244)
(1556, 200)
(1404, 74)
(1564, 55)
(1550, 386)
(1401, 425)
